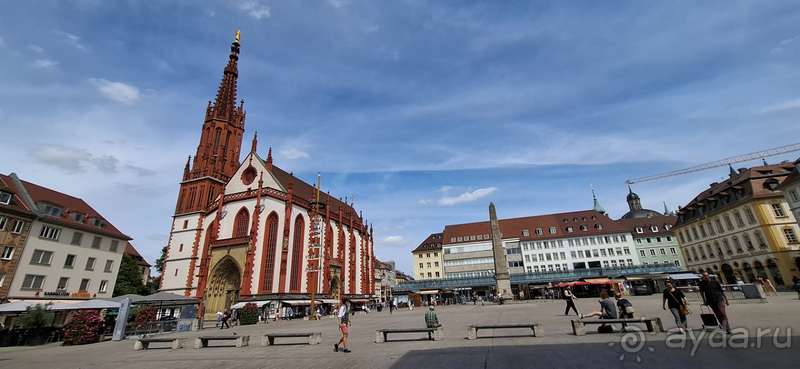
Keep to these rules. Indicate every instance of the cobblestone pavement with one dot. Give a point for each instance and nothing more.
(558, 348)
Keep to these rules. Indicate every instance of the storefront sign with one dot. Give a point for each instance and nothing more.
(56, 293)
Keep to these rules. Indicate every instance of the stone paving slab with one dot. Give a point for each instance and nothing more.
(499, 348)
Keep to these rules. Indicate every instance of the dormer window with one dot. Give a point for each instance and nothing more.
(539, 231)
(77, 217)
(598, 226)
(654, 228)
(525, 233)
(569, 229)
(584, 228)
(50, 210)
(667, 226)
(639, 230)
(5, 197)
(97, 222)
(552, 230)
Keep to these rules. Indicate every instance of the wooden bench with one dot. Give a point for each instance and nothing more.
(473, 328)
(434, 334)
(313, 338)
(653, 324)
(241, 341)
(144, 343)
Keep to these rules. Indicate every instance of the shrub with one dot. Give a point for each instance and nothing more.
(83, 328)
(249, 314)
(37, 316)
(145, 317)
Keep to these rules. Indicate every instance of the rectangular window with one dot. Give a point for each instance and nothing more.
(555, 256)
(90, 264)
(652, 252)
(50, 233)
(592, 241)
(778, 209)
(595, 253)
(737, 244)
(96, 242)
(750, 216)
(548, 256)
(428, 255)
(104, 285)
(573, 254)
(663, 251)
(552, 230)
(669, 239)
(729, 223)
(541, 257)
(436, 254)
(761, 241)
(18, 226)
(603, 252)
(436, 264)
(649, 240)
(5, 198)
(619, 250)
(658, 239)
(710, 228)
(453, 239)
(672, 251)
(580, 254)
(527, 258)
(421, 265)
(8, 253)
(421, 275)
(471, 238)
(3, 222)
(84, 286)
(430, 275)
(41, 257)
(626, 250)
(437, 274)
(793, 195)
(110, 265)
(605, 263)
(76, 238)
(624, 239)
(525, 233)
(539, 231)
(70, 262)
(428, 265)
(719, 225)
(790, 236)
(677, 263)
(62, 284)
(420, 255)
(460, 239)
(642, 253)
(115, 245)
(33, 282)
(739, 219)
(703, 230)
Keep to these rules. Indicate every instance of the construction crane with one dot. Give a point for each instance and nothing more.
(723, 162)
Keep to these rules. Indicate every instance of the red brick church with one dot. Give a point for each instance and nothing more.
(242, 230)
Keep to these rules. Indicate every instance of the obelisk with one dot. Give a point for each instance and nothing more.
(501, 276)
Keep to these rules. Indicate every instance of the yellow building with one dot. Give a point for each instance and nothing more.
(741, 228)
(428, 258)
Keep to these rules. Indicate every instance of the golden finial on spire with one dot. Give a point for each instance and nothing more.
(238, 34)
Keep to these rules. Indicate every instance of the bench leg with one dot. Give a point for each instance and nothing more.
(472, 333)
(264, 341)
(438, 335)
(199, 343)
(315, 339)
(659, 326)
(178, 343)
(380, 337)
(138, 346)
(240, 342)
(538, 331)
(578, 328)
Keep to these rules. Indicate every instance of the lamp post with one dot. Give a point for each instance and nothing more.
(316, 236)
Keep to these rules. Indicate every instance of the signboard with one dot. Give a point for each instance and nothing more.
(122, 320)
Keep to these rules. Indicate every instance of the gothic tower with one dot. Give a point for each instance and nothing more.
(217, 155)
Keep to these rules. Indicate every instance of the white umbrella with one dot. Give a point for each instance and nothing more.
(96, 304)
(16, 306)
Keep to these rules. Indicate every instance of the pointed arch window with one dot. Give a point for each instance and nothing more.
(270, 247)
(297, 254)
(242, 221)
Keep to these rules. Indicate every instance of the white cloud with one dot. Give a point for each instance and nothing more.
(466, 196)
(36, 48)
(212, 14)
(394, 241)
(793, 104)
(339, 3)
(294, 154)
(44, 63)
(255, 9)
(1, 42)
(117, 91)
(71, 39)
(784, 42)
(68, 159)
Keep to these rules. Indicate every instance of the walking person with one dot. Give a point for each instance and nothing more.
(715, 298)
(410, 305)
(225, 320)
(770, 288)
(344, 324)
(219, 317)
(570, 298)
(676, 301)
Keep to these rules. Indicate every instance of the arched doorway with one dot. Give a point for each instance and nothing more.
(760, 272)
(223, 287)
(748, 271)
(334, 288)
(776, 273)
(727, 271)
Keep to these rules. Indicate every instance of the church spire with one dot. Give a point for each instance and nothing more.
(255, 142)
(597, 206)
(225, 103)
(733, 172)
(666, 210)
(269, 160)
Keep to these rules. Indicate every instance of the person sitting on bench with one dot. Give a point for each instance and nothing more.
(431, 319)
(609, 309)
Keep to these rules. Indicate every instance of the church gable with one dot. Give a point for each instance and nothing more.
(246, 177)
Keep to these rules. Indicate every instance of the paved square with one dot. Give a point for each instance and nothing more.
(515, 348)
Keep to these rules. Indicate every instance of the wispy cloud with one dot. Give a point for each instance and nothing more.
(394, 241)
(779, 48)
(255, 9)
(72, 159)
(44, 64)
(464, 197)
(792, 104)
(117, 91)
(71, 39)
(293, 153)
(36, 48)
(339, 3)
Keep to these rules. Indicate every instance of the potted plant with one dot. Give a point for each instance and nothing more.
(36, 317)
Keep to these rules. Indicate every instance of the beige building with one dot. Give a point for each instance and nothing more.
(428, 258)
(385, 279)
(742, 228)
(790, 187)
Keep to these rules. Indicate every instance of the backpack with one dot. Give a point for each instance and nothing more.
(605, 329)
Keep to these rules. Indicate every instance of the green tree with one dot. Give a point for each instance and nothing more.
(160, 261)
(129, 278)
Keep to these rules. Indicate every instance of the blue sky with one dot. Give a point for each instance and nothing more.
(425, 111)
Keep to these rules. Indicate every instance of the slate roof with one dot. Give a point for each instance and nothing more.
(645, 223)
(433, 242)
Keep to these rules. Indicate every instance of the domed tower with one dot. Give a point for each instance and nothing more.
(634, 201)
(635, 206)
(597, 206)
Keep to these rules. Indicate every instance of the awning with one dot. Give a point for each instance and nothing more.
(300, 302)
(329, 301)
(596, 279)
(429, 292)
(359, 300)
(240, 305)
(685, 276)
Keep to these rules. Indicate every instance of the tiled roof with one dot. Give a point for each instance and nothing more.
(645, 223)
(71, 204)
(513, 228)
(792, 178)
(433, 242)
(749, 183)
(17, 205)
(130, 250)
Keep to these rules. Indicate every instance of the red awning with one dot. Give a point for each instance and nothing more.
(359, 300)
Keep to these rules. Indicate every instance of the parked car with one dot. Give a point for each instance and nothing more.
(642, 289)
